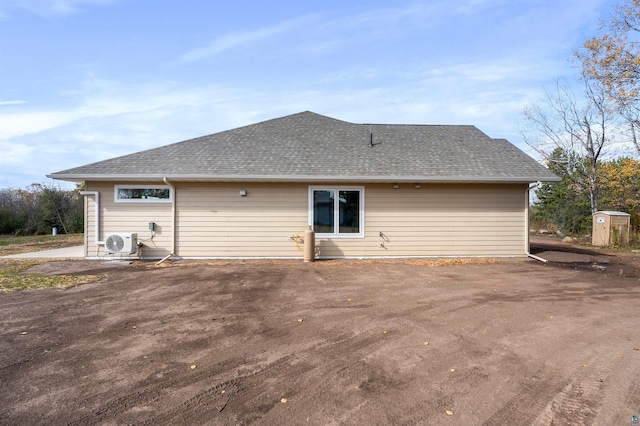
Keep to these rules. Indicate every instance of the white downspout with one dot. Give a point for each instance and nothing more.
(96, 194)
(527, 246)
(173, 217)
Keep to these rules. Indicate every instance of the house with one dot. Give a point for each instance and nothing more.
(368, 190)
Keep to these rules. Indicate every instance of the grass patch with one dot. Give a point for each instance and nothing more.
(10, 244)
(13, 277)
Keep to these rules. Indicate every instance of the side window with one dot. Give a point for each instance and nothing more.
(142, 194)
(337, 212)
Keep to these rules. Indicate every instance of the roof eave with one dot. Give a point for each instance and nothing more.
(299, 178)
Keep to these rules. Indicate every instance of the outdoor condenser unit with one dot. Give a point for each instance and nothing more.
(121, 242)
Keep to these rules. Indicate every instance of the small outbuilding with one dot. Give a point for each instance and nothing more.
(610, 228)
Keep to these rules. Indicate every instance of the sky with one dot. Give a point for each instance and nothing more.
(86, 80)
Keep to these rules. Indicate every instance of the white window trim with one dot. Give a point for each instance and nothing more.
(116, 190)
(335, 211)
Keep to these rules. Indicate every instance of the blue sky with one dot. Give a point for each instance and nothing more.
(85, 80)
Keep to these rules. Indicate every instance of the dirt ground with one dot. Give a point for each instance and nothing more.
(514, 341)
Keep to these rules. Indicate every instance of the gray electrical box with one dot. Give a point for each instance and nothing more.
(152, 226)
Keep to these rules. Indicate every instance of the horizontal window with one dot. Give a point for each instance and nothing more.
(142, 194)
(337, 212)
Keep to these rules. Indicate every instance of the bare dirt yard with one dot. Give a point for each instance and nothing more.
(510, 341)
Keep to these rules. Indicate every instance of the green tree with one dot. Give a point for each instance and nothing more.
(620, 180)
(38, 208)
(10, 212)
(29, 210)
(60, 208)
(564, 204)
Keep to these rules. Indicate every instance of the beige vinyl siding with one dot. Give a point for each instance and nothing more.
(128, 217)
(435, 220)
(214, 220)
(439, 220)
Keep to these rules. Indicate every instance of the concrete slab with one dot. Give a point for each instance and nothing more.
(76, 252)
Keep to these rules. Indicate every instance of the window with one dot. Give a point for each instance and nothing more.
(337, 212)
(142, 194)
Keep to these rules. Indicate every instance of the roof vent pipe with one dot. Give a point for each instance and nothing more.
(371, 139)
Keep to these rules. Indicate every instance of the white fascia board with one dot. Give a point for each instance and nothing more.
(297, 178)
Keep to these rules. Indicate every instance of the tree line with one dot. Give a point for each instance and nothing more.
(586, 129)
(39, 208)
(566, 205)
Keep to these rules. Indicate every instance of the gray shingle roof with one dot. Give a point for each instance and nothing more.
(311, 147)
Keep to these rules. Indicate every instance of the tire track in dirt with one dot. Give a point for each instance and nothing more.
(567, 407)
(540, 391)
(361, 378)
(264, 388)
(339, 373)
(581, 398)
(195, 407)
(573, 398)
(633, 400)
(590, 398)
(373, 380)
(527, 402)
(292, 365)
(466, 379)
(153, 392)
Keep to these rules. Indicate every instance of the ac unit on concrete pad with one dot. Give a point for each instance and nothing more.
(121, 242)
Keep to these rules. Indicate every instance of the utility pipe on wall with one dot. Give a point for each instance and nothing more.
(173, 216)
(96, 194)
(528, 244)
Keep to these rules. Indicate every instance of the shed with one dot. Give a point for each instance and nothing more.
(610, 228)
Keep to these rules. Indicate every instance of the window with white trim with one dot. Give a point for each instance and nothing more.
(337, 211)
(142, 194)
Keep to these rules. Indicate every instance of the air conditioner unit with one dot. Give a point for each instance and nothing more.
(121, 242)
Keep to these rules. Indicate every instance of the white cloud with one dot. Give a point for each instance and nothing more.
(22, 123)
(240, 39)
(482, 75)
(14, 153)
(320, 33)
(47, 8)
(384, 18)
(4, 103)
(469, 7)
(110, 119)
(100, 99)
